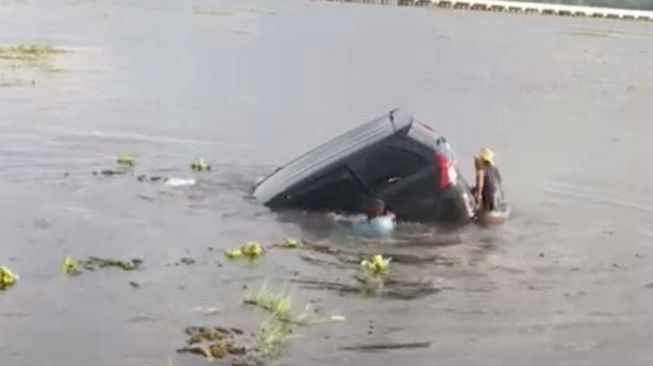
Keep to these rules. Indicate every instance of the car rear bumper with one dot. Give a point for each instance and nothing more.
(455, 204)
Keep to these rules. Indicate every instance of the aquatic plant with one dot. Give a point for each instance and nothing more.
(74, 267)
(291, 243)
(70, 266)
(126, 265)
(35, 56)
(375, 273)
(271, 339)
(250, 250)
(126, 159)
(200, 165)
(212, 342)
(377, 266)
(278, 303)
(7, 278)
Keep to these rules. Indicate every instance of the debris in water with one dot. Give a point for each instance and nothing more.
(200, 334)
(207, 311)
(291, 243)
(110, 172)
(387, 346)
(251, 250)
(126, 159)
(200, 165)
(187, 261)
(134, 284)
(212, 342)
(180, 182)
(338, 318)
(126, 265)
(71, 267)
(391, 289)
(7, 278)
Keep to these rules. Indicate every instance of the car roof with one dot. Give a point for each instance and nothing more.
(331, 152)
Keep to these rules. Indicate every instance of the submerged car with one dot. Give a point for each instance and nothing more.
(394, 158)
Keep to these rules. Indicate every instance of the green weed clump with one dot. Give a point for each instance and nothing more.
(271, 339)
(7, 278)
(251, 250)
(35, 56)
(277, 303)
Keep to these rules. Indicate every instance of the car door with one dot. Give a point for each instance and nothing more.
(336, 190)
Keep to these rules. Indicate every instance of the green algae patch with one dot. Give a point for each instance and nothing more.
(126, 159)
(75, 267)
(277, 303)
(251, 250)
(7, 278)
(70, 267)
(200, 165)
(32, 56)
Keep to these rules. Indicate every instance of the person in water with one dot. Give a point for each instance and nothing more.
(380, 221)
(488, 191)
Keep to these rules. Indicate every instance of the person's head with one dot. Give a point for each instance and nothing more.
(484, 158)
(376, 209)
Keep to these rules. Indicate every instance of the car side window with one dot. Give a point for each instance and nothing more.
(388, 164)
(337, 190)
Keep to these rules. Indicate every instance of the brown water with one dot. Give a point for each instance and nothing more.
(250, 84)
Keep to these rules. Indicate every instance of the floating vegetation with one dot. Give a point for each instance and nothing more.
(377, 266)
(278, 303)
(251, 250)
(33, 56)
(271, 339)
(74, 267)
(291, 243)
(213, 342)
(7, 278)
(71, 267)
(126, 159)
(200, 165)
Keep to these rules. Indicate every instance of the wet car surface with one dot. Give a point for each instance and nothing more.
(393, 158)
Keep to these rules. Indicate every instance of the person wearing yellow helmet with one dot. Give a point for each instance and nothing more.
(488, 191)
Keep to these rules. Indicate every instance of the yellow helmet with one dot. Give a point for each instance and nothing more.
(486, 155)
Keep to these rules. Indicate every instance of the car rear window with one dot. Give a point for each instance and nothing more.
(387, 163)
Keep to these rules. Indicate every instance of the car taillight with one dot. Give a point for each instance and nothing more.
(447, 169)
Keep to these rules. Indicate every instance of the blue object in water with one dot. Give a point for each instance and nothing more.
(378, 226)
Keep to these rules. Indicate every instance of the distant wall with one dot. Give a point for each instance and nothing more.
(620, 4)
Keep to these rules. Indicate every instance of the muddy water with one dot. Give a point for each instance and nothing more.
(248, 85)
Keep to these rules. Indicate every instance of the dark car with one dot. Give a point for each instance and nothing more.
(394, 158)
